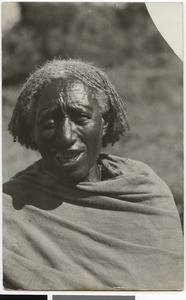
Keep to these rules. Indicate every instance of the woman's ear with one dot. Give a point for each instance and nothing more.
(105, 127)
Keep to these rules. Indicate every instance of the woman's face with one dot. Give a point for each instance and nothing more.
(68, 131)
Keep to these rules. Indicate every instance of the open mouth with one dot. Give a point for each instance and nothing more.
(67, 156)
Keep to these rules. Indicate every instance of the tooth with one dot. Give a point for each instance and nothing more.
(66, 155)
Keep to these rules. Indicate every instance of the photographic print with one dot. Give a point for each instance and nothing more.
(92, 148)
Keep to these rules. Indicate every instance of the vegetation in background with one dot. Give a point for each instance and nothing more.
(103, 34)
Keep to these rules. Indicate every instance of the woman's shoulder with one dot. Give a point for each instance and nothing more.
(136, 173)
(24, 174)
(126, 166)
(33, 167)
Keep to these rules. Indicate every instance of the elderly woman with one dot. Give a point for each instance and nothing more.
(77, 219)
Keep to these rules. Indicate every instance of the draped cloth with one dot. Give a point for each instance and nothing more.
(121, 233)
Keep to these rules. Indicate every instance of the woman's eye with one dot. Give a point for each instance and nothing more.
(81, 117)
(49, 123)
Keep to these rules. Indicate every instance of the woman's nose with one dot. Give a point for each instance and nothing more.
(66, 135)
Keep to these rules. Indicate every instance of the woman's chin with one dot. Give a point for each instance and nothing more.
(68, 174)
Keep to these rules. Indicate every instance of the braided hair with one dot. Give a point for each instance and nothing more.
(112, 107)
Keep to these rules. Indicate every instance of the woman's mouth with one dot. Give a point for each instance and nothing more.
(67, 156)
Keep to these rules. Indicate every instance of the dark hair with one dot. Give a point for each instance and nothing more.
(112, 107)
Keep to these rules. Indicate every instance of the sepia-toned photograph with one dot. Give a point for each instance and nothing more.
(92, 125)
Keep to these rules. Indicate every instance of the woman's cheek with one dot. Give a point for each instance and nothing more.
(46, 136)
(47, 133)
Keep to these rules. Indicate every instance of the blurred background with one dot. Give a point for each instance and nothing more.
(121, 39)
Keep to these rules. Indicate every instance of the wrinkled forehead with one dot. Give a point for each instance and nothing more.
(66, 92)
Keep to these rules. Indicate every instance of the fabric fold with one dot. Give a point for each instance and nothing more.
(122, 233)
